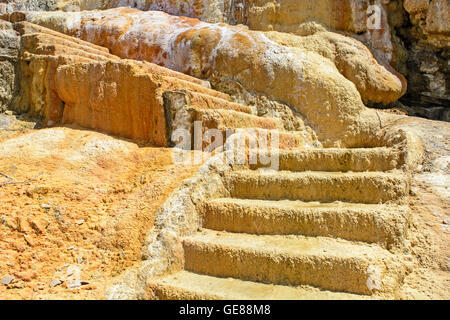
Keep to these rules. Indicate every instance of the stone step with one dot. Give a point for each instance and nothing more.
(382, 224)
(230, 119)
(204, 99)
(333, 159)
(25, 27)
(326, 263)
(186, 285)
(41, 45)
(359, 187)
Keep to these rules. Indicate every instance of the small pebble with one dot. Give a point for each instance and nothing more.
(7, 280)
(80, 222)
(45, 206)
(55, 283)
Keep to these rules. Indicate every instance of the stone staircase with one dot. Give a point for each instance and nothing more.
(328, 225)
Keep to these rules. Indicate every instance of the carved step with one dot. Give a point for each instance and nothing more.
(360, 187)
(326, 263)
(382, 224)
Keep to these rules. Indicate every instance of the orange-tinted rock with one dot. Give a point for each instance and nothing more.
(70, 81)
(303, 79)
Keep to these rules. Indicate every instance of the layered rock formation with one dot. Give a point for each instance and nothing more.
(64, 80)
(9, 54)
(428, 43)
(334, 220)
(300, 77)
(23, 5)
(411, 35)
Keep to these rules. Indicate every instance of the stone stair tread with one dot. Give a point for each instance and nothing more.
(312, 205)
(192, 286)
(292, 245)
(334, 159)
(232, 119)
(373, 223)
(286, 173)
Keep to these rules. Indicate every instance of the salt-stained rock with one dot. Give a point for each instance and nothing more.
(70, 81)
(428, 56)
(369, 21)
(302, 79)
(375, 83)
(403, 33)
(9, 52)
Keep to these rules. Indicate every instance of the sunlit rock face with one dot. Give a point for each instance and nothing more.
(9, 52)
(296, 76)
(410, 35)
(64, 80)
(24, 5)
(270, 15)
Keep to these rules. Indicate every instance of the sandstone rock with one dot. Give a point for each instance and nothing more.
(376, 83)
(432, 17)
(9, 51)
(7, 280)
(55, 283)
(389, 28)
(428, 69)
(302, 79)
(22, 5)
(70, 81)
(43, 86)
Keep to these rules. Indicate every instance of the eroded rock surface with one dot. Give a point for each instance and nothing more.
(411, 35)
(330, 103)
(428, 43)
(345, 218)
(64, 80)
(88, 211)
(9, 57)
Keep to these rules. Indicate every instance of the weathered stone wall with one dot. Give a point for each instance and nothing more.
(64, 80)
(9, 52)
(303, 76)
(24, 5)
(411, 35)
(427, 37)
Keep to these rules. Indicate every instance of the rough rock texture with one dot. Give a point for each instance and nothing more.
(9, 57)
(430, 234)
(23, 5)
(89, 210)
(347, 228)
(353, 60)
(428, 43)
(331, 104)
(64, 80)
(207, 252)
(411, 35)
